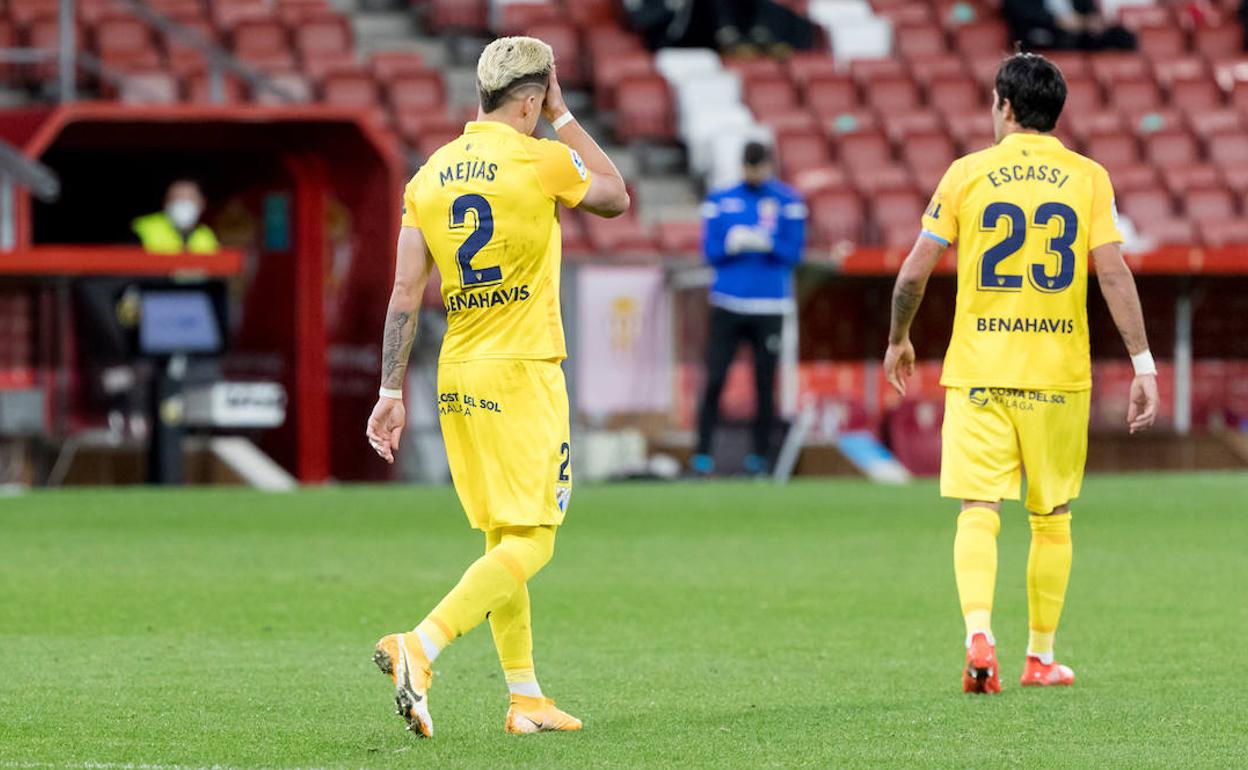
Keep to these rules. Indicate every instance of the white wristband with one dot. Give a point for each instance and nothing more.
(1144, 363)
(394, 393)
(562, 120)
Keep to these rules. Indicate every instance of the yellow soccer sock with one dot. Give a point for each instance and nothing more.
(512, 627)
(975, 566)
(1048, 572)
(490, 582)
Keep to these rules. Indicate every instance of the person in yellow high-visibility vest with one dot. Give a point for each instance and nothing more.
(177, 229)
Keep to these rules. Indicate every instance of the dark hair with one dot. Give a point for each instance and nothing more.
(492, 100)
(1035, 88)
(755, 153)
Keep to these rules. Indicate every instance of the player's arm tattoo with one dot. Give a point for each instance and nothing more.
(907, 294)
(396, 346)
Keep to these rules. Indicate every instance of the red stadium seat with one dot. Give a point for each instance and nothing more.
(1146, 205)
(1220, 43)
(644, 109)
(621, 235)
(1111, 68)
(923, 39)
(890, 96)
(955, 95)
(185, 59)
(467, 15)
(609, 70)
(836, 215)
(432, 140)
(795, 118)
(806, 65)
(564, 38)
(988, 36)
(1207, 123)
(416, 124)
(679, 238)
(766, 94)
(416, 91)
(1190, 84)
(1180, 180)
(908, 14)
(1142, 94)
(519, 18)
(572, 230)
(263, 44)
(1229, 148)
(325, 34)
(830, 95)
(902, 126)
(914, 435)
(1073, 64)
(122, 38)
(928, 153)
(44, 34)
(1210, 204)
(1224, 233)
(1147, 122)
(867, 72)
(1142, 176)
(387, 65)
(1168, 232)
(1171, 148)
(295, 12)
(1082, 96)
(972, 131)
(1114, 150)
(872, 181)
(350, 89)
(851, 122)
(925, 69)
(898, 207)
(1086, 125)
(864, 150)
(801, 149)
(318, 67)
(1162, 41)
(586, 13)
(227, 14)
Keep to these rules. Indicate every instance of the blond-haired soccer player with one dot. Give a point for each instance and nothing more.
(485, 209)
(1026, 215)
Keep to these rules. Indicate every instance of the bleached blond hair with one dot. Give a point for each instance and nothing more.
(509, 63)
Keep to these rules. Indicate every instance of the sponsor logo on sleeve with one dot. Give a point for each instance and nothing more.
(580, 164)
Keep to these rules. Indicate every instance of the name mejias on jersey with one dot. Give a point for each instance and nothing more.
(487, 204)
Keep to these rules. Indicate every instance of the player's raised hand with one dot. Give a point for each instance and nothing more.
(1142, 409)
(899, 364)
(554, 106)
(385, 427)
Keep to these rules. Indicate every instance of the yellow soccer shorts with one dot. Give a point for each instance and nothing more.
(505, 424)
(991, 436)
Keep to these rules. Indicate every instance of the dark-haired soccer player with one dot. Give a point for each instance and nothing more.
(1026, 214)
(485, 209)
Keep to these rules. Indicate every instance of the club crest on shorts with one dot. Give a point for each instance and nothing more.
(978, 396)
(563, 494)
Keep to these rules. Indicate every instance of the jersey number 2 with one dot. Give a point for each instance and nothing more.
(1059, 246)
(476, 240)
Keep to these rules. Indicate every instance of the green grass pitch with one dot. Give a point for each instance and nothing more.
(689, 625)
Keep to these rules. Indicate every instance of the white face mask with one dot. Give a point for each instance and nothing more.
(183, 213)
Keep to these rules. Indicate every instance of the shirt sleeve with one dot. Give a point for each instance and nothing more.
(1103, 228)
(561, 171)
(409, 203)
(940, 220)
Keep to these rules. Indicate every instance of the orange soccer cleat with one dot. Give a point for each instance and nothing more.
(1037, 673)
(401, 657)
(981, 675)
(534, 715)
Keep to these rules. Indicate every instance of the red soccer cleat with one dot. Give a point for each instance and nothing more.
(981, 675)
(1039, 674)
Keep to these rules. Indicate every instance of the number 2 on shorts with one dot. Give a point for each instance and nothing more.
(565, 451)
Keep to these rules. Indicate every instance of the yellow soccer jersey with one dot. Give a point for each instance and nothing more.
(487, 205)
(1024, 215)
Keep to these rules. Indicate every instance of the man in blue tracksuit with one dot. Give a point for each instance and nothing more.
(752, 236)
